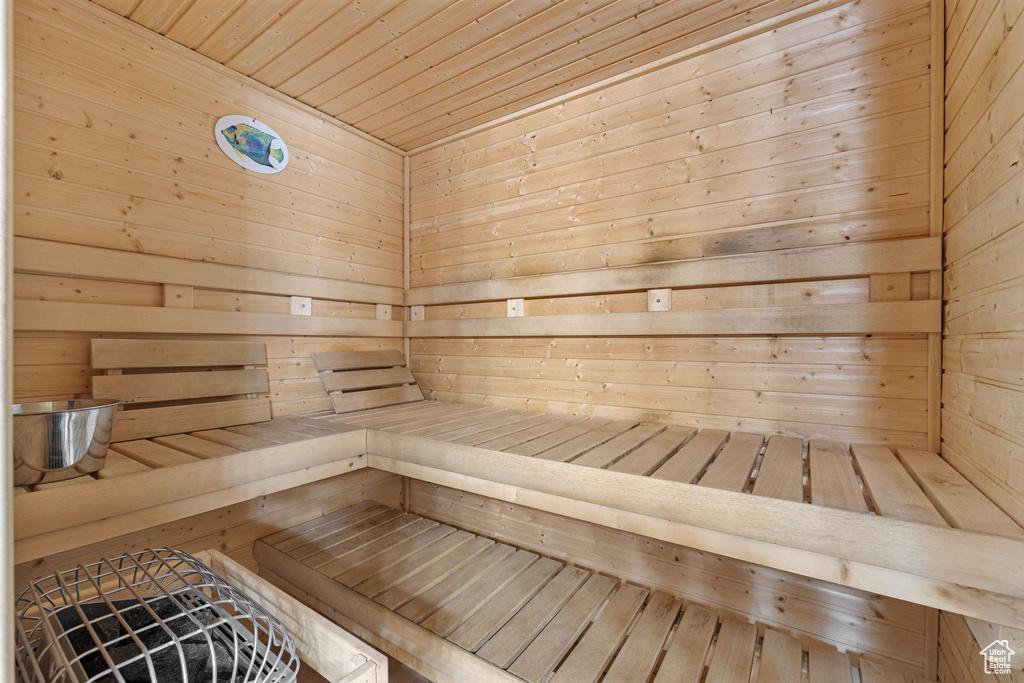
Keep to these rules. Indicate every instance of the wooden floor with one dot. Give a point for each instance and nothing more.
(528, 617)
(143, 455)
(910, 485)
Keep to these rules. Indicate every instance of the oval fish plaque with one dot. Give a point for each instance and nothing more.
(251, 144)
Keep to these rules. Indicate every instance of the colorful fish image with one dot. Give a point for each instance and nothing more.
(256, 148)
(252, 143)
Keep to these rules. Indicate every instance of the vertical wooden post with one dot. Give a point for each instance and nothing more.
(937, 196)
(516, 308)
(6, 344)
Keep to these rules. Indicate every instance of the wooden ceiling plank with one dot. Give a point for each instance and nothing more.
(334, 31)
(561, 25)
(293, 26)
(436, 30)
(613, 41)
(352, 103)
(122, 7)
(386, 32)
(159, 15)
(200, 20)
(250, 20)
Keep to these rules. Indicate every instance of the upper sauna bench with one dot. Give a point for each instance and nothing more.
(903, 523)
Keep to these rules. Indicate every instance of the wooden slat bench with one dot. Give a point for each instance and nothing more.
(901, 523)
(462, 607)
(195, 434)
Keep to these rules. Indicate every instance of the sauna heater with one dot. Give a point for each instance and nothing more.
(157, 616)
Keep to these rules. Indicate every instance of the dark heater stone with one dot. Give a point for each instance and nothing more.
(196, 662)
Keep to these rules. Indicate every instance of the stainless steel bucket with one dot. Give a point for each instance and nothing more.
(57, 440)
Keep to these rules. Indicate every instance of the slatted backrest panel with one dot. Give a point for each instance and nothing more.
(359, 380)
(170, 387)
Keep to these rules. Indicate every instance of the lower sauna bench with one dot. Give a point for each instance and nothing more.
(457, 606)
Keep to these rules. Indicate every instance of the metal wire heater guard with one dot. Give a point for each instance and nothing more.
(156, 616)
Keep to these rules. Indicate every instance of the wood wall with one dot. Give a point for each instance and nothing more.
(983, 336)
(983, 346)
(894, 631)
(129, 221)
(815, 133)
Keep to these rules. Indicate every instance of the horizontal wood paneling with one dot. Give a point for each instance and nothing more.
(412, 72)
(771, 178)
(129, 221)
(983, 384)
(850, 619)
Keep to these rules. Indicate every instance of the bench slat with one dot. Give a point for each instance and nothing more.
(870, 672)
(109, 354)
(153, 454)
(428, 577)
(356, 360)
(611, 451)
(781, 658)
(502, 649)
(117, 465)
(394, 553)
(457, 611)
(655, 452)
(827, 665)
(734, 653)
(638, 656)
(584, 442)
(692, 458)
(553, 423)
(177, 386)
(497, 611)
(588, 660)
(684, 661)
(374, 398)
(892, 488)
(453, 584)
(241, 442)
(353, 380)
(418, 560)
(958, 501)
(731, 469)
(781, 474)
(146, 422)
(193, 445)
(548, 648)
(833, 481)
(554, 439)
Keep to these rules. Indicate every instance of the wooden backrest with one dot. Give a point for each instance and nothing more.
(359, 380)
(170, 387)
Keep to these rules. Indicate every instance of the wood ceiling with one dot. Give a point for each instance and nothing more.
(411, 72)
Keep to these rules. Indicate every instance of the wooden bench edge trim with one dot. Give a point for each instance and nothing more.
(44, 511)
(326, 647)
(805, 263)
(867, 577)
(941, 554)
(865, 318)
(44, 545)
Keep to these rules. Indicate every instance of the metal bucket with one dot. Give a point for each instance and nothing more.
(57, 440)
